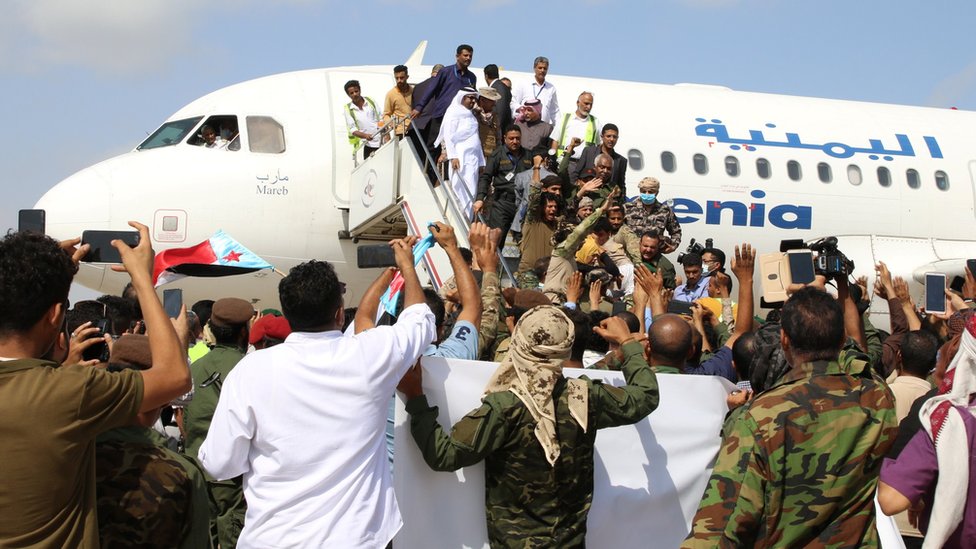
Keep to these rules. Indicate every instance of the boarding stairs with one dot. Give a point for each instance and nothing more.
(391, 196)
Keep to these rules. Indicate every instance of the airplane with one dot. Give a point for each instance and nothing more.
(894, 183)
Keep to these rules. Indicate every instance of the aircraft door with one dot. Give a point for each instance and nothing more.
(972, 177)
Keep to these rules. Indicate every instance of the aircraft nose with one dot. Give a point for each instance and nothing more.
(78, 203)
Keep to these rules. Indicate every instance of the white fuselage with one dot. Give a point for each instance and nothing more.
(288, 207)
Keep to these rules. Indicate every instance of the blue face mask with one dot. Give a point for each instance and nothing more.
(647, 198)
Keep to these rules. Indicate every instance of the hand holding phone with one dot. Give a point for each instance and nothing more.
(97, 349)
(173, 302)
(935, 296)
(100, 245)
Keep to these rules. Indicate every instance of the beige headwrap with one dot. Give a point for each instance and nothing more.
(542, 340)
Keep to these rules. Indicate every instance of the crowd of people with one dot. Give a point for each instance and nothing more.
(227, 426)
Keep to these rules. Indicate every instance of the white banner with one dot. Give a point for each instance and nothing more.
(649, 477)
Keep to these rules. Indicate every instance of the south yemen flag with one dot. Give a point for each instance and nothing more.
(219, 255)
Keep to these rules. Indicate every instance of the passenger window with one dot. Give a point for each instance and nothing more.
(265, 135)
(732, 166)
(942, 180)
(854, 174)
(636, 159)
(762, 168)
(914, 181)
(884, 176)
(169, 133)
(667, 162)
(824, 173)
(793, 170)
(701, 164)
(219, 132)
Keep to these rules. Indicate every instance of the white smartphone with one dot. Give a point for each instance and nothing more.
(801, 266)
(935, 296)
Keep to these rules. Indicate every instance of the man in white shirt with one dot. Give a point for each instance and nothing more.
(538, 89)
(304, 421)
(362, 120)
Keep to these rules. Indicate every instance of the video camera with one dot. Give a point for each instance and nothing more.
(695, 248)
(830, 261)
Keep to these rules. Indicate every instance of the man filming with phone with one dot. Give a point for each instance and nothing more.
(51, 413)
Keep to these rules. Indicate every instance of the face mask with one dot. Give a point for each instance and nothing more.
(647, 198)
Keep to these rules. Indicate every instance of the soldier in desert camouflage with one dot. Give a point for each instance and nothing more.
(648, 214)
(535, 430)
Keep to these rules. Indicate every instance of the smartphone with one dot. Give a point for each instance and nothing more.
(800, 263)
(971, 263)
(375, 255)
(102, 250)
(98, 350)
(957, 283)
(173, 302)
(679, 307)
(31, 220)
(935, 297)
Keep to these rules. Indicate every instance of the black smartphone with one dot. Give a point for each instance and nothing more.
(971, 263)
(935, 297)
(375, 255)
(957, 283)
(679, 307)
(801, 266)
(31, 220)
(173, 302)
(102, 250)
(98, 350)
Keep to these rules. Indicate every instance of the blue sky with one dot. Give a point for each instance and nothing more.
(84, 80)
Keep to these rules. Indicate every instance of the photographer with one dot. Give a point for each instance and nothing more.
(52, 414)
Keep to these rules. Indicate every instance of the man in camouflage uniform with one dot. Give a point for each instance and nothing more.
(535, 430)
(648, 214)
(147, 495)
(229, 324)
(799, 466)
(654, 260)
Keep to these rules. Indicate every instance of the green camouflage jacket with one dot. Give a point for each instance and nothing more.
(148, 495)
(528, 502)
(799, 465)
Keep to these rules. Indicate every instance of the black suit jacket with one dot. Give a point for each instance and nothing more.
(425, 115)
(503, 108)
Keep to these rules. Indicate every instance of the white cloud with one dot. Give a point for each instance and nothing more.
(956, 88)
(113, 35)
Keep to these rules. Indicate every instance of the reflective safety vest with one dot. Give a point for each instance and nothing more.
(589, 137)
(355, 140)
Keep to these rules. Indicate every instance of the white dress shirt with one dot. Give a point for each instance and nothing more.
(545, 93)
(304, 422)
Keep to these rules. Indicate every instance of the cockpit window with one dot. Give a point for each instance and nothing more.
(169, 133)
(265, 135)
(219, 132)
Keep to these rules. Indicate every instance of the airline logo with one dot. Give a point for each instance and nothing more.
(754, 214)
(716, 132)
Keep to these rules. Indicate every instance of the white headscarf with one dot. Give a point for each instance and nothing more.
(942, 419)
(458, 111)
